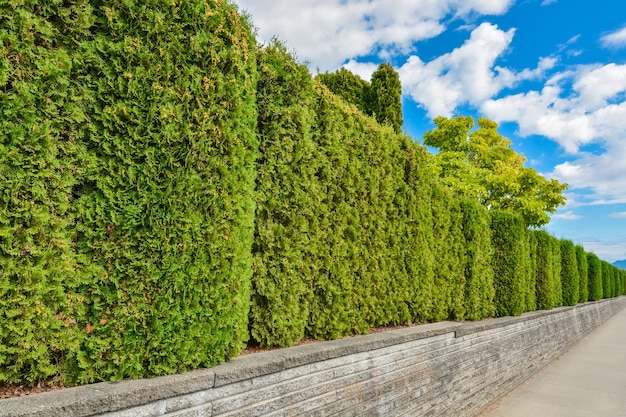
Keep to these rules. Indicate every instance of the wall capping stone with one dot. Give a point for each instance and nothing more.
(426, 349)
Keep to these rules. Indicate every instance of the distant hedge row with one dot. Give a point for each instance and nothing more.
(353, 231)
(169, 189)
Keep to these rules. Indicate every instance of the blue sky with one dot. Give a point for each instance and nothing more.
(552, 73)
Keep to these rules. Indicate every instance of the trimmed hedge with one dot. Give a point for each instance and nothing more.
(42, 122)
(448, 239)
(286, 241)
(556, 271)
(569, 273)
(509, 263)
(545, 289)
(583, 274)
(531, 272)
(133, 129)
(595, 277)
(478, 271)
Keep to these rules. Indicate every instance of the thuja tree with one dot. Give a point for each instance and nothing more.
(448, 249)
(569, 273)
(531, 271)
(286, 242)
(607, 280)
(479, 288)
(508, 263)
(595, 277)
(42, 121)
(350, 87)
(545, 287)
(556, 271)
(165, 208)
(583, 273)
(386, 97)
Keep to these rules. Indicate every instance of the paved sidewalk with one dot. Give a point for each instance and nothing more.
(587, 381)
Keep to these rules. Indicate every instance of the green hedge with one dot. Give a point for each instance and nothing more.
(42, 122)
(359, 284)
(478, 271)
(287, 231)
(449, 251)
(531, 271)
(569, 273)
(509, 263)
(166, 208)
(545, 287)
(595, 277)
(556, 271)
(133, 127)
(583, 274)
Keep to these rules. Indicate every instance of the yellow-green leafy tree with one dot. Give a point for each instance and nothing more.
(481, 164)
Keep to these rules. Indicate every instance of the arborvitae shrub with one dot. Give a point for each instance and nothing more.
(583, 274)
(607, 280)
(42, 121)
(286, 242)
(595, 277)
(386, 97)
(569, 273)
(416, 230)
(545, 289)
(350, 87)
(479, 288)
(531, 272)
(556, 271)
(166, 204)
(508, 262)
(358, 285)
(448, 241)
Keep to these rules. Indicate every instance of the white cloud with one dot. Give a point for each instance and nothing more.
(568, 215)
(548, 2)
(468, 74)
(362, 69)
(593, 111)
(327, 33)
(615, 39)
(609, 251)
(618, 215)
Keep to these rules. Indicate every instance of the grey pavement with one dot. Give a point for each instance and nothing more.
(589, 380)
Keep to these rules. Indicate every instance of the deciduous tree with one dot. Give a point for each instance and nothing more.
(481, 164)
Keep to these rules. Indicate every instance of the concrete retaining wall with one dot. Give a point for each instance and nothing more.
(441, 369)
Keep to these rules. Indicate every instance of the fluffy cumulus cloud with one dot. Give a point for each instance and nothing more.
(592, 111)
(327, 33)
(467, 75)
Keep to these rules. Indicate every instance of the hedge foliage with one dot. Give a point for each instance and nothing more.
(509, 263)
(41, 121)
(594, 277)
(286, 227)
(545, 287)
(128, 188)
(583, 274)
(569, 273)
(170, 189)
(478, 270)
